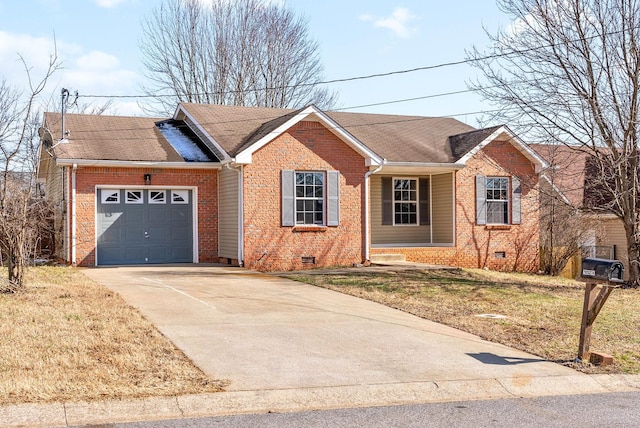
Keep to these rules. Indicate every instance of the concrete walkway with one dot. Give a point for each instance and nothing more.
(288, 346)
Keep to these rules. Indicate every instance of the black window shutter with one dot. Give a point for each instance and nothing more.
(481, 199)
(423, 190)
(387, 201)
(288, 198)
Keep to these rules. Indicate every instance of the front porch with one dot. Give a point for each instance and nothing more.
(412, 211)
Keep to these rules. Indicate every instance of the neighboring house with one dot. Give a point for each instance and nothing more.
(275, 189)
(572, 174)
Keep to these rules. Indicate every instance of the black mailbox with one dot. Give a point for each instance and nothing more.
(603, 269)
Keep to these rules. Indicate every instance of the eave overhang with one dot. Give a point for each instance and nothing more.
(138, 164)
(417, 168)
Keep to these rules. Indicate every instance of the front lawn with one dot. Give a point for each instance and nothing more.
(66, 338)
(537, 314)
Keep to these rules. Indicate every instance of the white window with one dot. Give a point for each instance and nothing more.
(310, 198)
(157, 197)
(133, 197)
(110, 196)
(179, 196)
(497, 200)
(405, 201)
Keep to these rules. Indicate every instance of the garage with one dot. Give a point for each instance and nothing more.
(140, 226)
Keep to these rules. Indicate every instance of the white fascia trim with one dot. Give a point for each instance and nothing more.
(527, 151)
(138, 164)
(371, 158)
(447, 166)
(181, 109)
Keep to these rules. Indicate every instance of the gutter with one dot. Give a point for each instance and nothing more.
(138, 164)
(440, 165)
(73, 214)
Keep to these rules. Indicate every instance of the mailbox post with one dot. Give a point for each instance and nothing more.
(609, 273)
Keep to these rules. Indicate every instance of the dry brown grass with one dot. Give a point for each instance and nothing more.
(65, 338)
(542, 313)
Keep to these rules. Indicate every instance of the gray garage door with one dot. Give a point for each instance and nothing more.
(144, 226)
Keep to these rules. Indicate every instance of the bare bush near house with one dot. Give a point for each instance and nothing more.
(23, 216)
(568, 72)
(564, 228)
(243, 52)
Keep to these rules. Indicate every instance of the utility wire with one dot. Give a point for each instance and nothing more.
(372, 76)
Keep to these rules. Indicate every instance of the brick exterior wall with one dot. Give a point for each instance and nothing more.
(207, 204)
(268, 246)
(476, 245)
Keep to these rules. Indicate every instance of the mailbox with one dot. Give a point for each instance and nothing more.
(603, 269)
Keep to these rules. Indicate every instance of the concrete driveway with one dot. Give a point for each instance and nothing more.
(311, 347)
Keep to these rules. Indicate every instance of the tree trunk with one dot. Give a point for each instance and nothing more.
(633, 251)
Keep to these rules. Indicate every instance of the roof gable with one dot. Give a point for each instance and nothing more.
(466, 145)
(278, 126)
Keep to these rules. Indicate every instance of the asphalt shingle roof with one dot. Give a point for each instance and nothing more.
(396, 138)
(100, 137)
(392, 137)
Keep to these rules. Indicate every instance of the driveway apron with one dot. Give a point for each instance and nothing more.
(263, 332)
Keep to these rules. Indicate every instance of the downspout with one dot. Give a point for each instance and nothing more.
(65, 208)
(73, 214)
(367, 215)
(241, 216)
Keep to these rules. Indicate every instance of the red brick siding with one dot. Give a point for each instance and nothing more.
(87, 178)
(268, 246)
(476, 245)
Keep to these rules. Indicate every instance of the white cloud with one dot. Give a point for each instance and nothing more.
(96, 60)
(90, 73)
(398, 22)
(108, 3)
(35, 51)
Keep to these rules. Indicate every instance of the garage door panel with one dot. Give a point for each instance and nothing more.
(180, 234)
(134, 215)
(134, 253)
(141, 231)
(158, 254)
(110, 255)
(110, 217)
(158, 214)
(181, 253)
(112, 235)
(180, 214)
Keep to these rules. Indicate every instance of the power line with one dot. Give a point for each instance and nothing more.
(370, 76)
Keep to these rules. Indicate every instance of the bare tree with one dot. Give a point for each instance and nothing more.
(22, 215)
(241, 52)
(568, 72)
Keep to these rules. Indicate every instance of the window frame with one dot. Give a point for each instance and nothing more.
(304, 199)
(415, 202)
(514, 195)
(133, 197)
(504, 201)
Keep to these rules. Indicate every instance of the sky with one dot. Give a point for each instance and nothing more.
(97, 42)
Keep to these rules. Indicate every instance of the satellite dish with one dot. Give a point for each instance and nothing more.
(46, 137)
